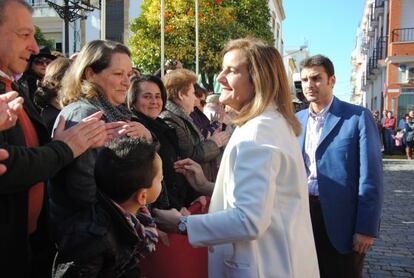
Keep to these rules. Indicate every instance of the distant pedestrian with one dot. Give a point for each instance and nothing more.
(409, 135)
(341, 150)
(389, 126)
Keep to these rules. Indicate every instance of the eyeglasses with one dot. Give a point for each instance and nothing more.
(40, 61)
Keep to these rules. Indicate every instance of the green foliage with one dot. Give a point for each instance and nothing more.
(219, 21)
(42, 41)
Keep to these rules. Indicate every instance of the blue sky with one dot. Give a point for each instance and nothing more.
(330, 28)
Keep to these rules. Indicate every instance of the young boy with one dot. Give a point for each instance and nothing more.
(128, 174)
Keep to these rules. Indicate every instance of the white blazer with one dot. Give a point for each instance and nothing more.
(259, 223)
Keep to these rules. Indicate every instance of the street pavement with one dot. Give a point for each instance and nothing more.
(392, 254)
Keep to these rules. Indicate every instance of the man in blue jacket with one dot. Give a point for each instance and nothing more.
(341, 150)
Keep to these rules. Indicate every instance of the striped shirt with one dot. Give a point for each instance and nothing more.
(314, 128)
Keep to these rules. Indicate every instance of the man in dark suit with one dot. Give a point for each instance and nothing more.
(341, 150)
(31, 159)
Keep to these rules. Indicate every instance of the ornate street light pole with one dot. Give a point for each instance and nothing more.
(70, 11)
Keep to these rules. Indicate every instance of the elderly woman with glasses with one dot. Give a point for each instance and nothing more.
(206, 127)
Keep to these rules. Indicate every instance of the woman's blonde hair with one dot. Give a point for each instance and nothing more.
(95, 55)
(178, 80)
(269, 80)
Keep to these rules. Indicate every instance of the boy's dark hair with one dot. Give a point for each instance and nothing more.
(319, 60)
(125, 166)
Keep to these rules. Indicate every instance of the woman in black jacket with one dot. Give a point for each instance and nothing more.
(46, 95)
(146, 99)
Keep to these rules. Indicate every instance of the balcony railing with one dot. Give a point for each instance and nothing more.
(371, 13)
(403, 35)
(379, 53)
(363, 81)
(381, 48)
(37, 3)
(379, 3)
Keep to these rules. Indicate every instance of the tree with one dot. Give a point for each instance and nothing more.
(42, 41)
(219, 21)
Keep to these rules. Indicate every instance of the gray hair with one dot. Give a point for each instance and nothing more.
(4, 3)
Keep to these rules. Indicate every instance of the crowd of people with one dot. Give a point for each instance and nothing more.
(101, 164)
(397, 138)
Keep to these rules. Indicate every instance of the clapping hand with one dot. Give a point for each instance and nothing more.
(10, 104)
(88, 133)
(3, 156)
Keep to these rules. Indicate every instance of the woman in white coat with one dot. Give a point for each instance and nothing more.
(258, 223)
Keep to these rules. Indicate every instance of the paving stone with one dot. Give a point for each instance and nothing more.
(392, 254)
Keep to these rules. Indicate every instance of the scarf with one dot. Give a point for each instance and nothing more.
(112, 113)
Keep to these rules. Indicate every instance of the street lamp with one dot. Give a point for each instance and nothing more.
(301, 48)
(70, 11)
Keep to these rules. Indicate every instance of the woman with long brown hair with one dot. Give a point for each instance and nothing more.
(258, 222)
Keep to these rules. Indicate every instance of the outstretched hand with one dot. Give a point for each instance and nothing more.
(220, 137)
(194, 174)
(88, 133)
(167, 220)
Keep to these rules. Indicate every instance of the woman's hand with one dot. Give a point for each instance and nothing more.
(131, 129)
(220, 138)
(194, 175)
(137, 130)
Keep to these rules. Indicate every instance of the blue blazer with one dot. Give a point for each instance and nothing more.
(349, 169)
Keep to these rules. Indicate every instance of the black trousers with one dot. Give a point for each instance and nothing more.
(332, 264)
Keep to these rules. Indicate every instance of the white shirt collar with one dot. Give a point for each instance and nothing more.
(321, 113)
(3, 74)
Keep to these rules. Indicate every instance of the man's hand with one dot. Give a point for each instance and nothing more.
(362, 243)
(194, 174)
(89, 132)
(3, 156)
(167, 220)
(10, 104)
